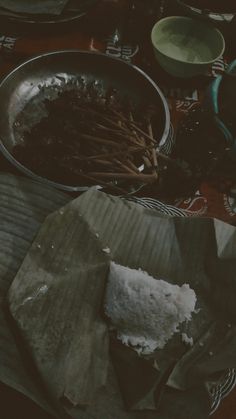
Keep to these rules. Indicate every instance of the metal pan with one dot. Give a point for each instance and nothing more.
(23, 91)
(223, 12)
(21, 23)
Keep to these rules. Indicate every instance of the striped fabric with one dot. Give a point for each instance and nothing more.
(222, 390)
(167, 147)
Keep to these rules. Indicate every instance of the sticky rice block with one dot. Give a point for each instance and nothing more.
(145, 311)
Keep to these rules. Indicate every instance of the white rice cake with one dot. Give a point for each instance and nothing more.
(145, 311)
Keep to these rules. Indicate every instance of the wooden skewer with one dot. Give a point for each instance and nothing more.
(118, 126)
(147, 162)
(106, 119)
(131, 117)
(120, 115)
(97, 181)
(132, 166)
(154, 154)
(121, 135)
(116, 134)
(124, 166)
(103, 127)
(144, 134)
(139, 139)
(100, 140)
(104, 162)
(132, 123)
(100, 182)
(105, 155)
(125, 176)
(139, 148)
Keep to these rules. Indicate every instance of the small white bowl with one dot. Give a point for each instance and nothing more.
(186, 47)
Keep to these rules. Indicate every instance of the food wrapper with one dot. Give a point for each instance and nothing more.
(24, 205)
(75, 245)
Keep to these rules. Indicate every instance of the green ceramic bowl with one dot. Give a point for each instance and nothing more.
(186, 47)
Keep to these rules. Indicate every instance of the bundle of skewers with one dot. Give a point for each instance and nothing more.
(93, 141)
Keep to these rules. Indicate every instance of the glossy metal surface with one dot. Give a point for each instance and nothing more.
(79, 9)
(23, 91)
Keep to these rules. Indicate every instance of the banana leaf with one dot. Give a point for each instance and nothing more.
(75, 245)
(24, 205)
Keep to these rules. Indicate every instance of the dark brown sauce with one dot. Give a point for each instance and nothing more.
(60, 146)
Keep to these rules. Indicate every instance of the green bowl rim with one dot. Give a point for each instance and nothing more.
(189, 19)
